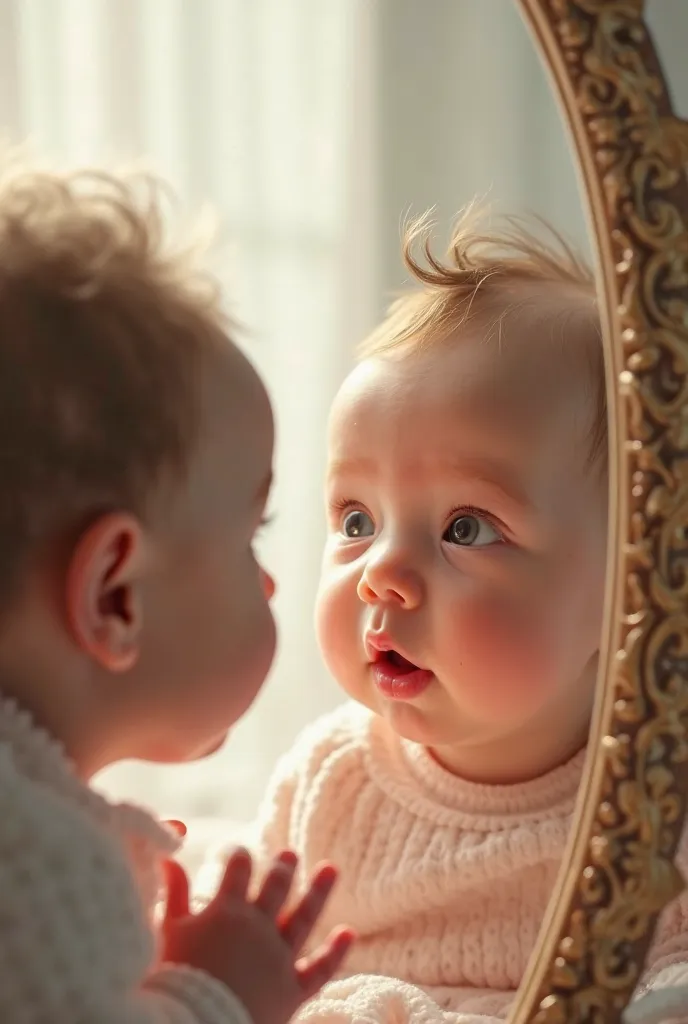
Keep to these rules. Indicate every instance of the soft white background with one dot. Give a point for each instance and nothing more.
(313, 127)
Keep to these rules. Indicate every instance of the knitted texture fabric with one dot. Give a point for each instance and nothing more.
(446, 882)
(79, 882)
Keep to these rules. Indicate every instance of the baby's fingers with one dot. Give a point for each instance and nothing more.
(177, 904)
(300, 922)
(277, 884)
(237, 876)
(325, 962)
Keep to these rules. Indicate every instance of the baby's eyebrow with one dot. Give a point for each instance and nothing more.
(360, 466)
(497, 476)
(494, 472)
(497, 472)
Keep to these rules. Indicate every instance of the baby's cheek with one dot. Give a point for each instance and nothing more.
(504, 654)
(335, 623)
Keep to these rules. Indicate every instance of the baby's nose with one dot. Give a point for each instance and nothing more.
(267, 582)
(386, 582)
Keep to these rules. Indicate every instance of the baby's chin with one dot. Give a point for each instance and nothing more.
(427, 722)
(207, 749)
(215, 746)
(418, 722)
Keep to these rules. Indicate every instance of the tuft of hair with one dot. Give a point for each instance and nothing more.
(489, 280)
(103, 328)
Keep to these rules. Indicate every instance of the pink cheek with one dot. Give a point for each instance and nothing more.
(502, 652)
(337, 625)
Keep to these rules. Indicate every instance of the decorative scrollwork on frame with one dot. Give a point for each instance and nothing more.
(634, 153)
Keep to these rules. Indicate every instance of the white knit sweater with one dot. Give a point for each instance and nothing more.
(79, 880)
(446, 882)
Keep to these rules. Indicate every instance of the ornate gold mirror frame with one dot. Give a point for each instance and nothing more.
(632, 153)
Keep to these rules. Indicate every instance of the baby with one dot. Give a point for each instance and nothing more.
(460, 607)
(135, 454)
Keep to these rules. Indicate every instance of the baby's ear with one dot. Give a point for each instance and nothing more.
(103, 590)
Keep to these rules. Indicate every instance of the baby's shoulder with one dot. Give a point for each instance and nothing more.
(335, 741)
(35, 815)
(60, 870)
(59, 826)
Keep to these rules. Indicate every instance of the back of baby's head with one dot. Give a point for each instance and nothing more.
(504, 285)
(102, 329)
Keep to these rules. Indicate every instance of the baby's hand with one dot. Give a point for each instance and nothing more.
(249, 944)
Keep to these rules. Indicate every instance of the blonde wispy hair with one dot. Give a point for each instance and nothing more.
(104, 323)
(488, 281)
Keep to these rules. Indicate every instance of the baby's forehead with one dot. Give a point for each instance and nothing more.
(470, 368)
(474, 391)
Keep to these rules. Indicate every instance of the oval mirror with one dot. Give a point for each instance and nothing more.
(318, 130)
(619, 872)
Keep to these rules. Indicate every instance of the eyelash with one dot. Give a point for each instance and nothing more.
(472, 510)
(341, 504)
(478, 513)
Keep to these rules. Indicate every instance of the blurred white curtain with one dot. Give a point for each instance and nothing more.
(465, 109)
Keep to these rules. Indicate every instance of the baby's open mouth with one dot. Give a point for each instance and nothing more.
(397, 661)
(397, 678)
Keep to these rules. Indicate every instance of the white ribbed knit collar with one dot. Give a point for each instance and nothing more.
(409, 774)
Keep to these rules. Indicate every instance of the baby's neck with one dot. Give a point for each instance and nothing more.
(536, 748)
(510, 761)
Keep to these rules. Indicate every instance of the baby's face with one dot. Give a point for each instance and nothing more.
(463, 578)
(209, 635)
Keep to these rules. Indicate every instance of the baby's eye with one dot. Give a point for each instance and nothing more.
(471, 531)
(357, 524)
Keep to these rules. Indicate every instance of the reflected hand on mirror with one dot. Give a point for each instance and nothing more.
(242, 940)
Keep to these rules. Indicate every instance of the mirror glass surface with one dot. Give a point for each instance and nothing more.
(314, 129)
